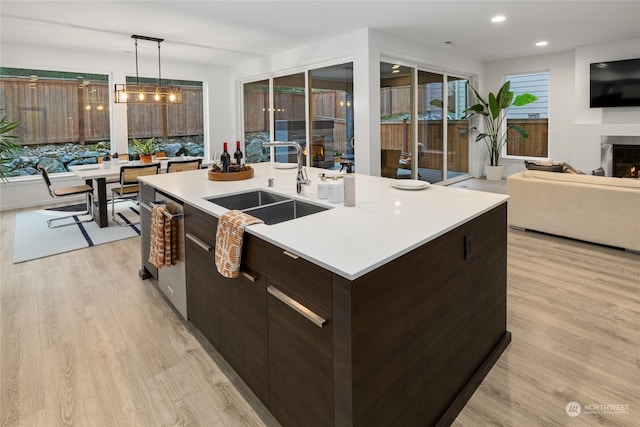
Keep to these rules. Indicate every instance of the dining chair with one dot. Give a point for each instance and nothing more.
(76, 190)
(121, 157)
(389, 161)
(183, 165)
(128, 185)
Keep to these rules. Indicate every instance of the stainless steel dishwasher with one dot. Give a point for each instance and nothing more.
(172, 280)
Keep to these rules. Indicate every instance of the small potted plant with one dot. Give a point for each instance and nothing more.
(494, 113)
(144, 149)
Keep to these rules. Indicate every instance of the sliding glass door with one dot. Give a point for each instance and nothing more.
(429, 140)
(257, 124)
(457, 127)
(331, 111)
(431, 119)
(289, 115)
(396, 121)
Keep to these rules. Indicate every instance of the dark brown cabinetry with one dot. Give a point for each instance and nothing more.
(405, 344)
(243, 318)
(203, 295)
(300, 340)
(230, 313)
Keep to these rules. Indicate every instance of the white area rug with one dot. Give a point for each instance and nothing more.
(33, 239)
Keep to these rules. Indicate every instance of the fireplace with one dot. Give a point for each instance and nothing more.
(626, 161)
(620, 156)
(321, 145)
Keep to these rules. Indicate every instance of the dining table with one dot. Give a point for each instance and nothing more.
(100, 173)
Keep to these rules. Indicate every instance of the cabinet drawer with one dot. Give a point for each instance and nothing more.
(201, 224)
(307, 283)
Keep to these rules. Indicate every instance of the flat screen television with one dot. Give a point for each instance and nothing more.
(615, 84)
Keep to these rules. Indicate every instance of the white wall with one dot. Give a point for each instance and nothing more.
(30, 191)
(574, 128)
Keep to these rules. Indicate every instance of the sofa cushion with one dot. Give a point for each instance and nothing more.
(584, 179)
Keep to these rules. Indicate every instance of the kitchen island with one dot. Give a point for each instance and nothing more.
(387, 313)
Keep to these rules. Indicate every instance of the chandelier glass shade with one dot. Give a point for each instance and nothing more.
(137, 93)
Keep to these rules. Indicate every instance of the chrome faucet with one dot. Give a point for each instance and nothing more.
(301, 177)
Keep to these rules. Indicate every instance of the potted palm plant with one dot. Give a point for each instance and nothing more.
(7, 147)
(144, 149)
(494, 111)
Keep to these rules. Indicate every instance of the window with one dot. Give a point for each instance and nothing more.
(284, 112)
(533, 118)
(174, 127)
(63, 118)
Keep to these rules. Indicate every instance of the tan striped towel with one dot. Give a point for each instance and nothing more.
(229, 241)
(162, 247)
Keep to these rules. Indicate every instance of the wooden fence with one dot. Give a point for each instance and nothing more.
(58, 111)
(398, 136)
(534, 146)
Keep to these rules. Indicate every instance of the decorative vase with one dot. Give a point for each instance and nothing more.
(146, 159)
(493, 173)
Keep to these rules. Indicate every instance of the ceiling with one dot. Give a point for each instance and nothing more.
(228, 32)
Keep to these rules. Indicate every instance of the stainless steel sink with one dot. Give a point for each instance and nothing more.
(284, 211)
(270, 207)
(247, 199)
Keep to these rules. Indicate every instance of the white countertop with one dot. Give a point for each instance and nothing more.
(350, 241)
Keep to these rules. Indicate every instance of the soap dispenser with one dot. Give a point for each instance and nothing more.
(323, 187)
(349, 189)
(335, 190)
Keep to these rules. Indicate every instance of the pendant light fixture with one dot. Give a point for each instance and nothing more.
(147, 93)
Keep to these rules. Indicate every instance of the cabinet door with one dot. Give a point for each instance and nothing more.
(300, 341)
(243, 318)
(243, 329)
(202, 292)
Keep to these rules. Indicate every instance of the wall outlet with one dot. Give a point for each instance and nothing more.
(468, 245)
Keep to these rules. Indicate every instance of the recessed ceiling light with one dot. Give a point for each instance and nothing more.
(395, 67)
(498, 18)
(542, 43)
(395, 71)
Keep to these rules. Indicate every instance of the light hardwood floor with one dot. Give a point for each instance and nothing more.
(84, 341)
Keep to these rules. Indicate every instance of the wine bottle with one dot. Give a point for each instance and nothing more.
(238, 154)
(225, 159)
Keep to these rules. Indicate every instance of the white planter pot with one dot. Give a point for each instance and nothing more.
(493, 173)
